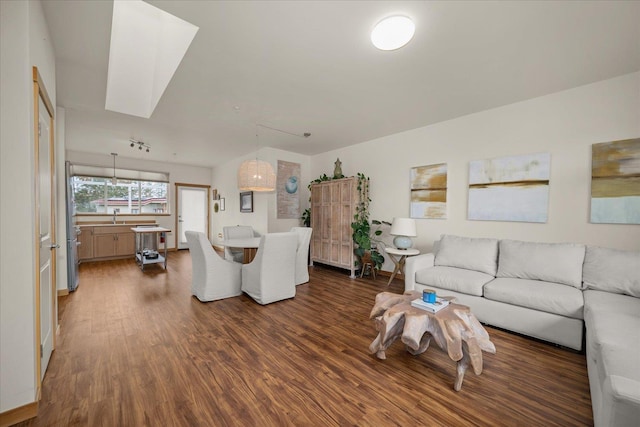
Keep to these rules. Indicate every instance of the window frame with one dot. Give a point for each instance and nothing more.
(105, 196)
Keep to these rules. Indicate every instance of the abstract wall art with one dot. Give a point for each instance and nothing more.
(510, 188)
(615, 182)
(287, 190)
(429, 191)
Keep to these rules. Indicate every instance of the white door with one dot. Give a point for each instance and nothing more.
(45, 295)
(193, 211)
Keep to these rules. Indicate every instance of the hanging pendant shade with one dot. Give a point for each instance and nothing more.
(256, 175)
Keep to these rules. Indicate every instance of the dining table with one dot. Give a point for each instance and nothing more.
(249, 245)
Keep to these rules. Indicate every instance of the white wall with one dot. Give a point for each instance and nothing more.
(263, 219)
(564, 124)
(61, 230)
(177, 173)
(24, 42)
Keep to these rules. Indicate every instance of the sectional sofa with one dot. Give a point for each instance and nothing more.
(565, 293)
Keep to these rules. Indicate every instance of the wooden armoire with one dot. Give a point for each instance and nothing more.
(333, 205)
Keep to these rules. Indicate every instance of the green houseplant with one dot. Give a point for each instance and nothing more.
(364, 235)
(306, 217)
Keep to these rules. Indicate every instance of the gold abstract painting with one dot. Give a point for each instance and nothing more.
(615, 182)
(429, 191)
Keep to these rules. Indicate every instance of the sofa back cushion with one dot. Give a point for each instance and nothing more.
(551, 262)
(612, 270)
(468, 253)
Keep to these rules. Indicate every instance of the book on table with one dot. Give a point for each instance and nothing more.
(429, 306)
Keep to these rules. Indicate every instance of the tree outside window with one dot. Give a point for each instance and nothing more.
(100, 196)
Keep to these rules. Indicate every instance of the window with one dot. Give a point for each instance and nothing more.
(127, 197)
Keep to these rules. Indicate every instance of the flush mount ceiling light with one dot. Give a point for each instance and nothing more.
(147, 45)
(393, 32)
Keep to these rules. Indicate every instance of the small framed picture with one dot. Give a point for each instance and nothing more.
(221, 201)
(214, 193)
(216, 206)
(246, 201)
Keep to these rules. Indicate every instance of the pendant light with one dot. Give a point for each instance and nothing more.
(114, 180)
(256, 175)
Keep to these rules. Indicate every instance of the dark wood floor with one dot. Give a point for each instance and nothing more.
(137, 349)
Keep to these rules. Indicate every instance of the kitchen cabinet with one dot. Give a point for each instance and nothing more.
(85, 248)
(106, 241)
(333, 205)
(113, 241)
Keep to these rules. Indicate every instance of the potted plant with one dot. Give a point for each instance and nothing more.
(306, 217)
(366, 238)
(364, 235)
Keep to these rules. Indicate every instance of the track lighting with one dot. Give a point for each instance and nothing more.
(304, 135)
(140, 144)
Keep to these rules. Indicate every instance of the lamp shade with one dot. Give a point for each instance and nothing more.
(403, 227)
(256, 175)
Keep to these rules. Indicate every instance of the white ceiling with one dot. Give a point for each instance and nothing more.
(309, 66)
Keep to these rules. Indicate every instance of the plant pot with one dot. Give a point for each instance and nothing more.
(366, 264)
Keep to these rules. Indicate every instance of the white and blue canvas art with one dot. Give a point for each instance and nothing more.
(287, 190)
(615, 182)
(510, 188)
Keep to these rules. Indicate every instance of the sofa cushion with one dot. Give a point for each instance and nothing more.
(538, 295)
(612, 270)
(454, 279)
(608, 315)
(613, 333)
(468, 253)
(550, 262)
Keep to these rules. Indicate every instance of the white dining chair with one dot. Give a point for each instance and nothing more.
(302, 254)
(270, 276)
(236, 232)
(212, 277)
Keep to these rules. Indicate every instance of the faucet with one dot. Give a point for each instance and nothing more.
(115, 214)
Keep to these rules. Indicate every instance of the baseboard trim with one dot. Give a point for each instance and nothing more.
(63, 292)
(19, 414)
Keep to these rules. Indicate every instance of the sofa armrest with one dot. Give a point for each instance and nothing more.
(620, 404)
(414, 264)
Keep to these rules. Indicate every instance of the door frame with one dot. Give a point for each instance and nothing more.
(177, 209)
(40, 92)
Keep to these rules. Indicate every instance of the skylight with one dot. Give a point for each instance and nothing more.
(147, 45)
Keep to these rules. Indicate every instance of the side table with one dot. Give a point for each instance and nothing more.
(399, 256)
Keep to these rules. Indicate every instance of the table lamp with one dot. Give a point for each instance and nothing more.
(404, 229)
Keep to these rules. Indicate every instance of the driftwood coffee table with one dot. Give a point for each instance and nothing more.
(455, 329)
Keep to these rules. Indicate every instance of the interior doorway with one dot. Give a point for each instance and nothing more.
(192, 211)
(46, 246)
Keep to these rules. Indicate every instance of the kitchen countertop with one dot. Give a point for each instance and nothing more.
(111, 224)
